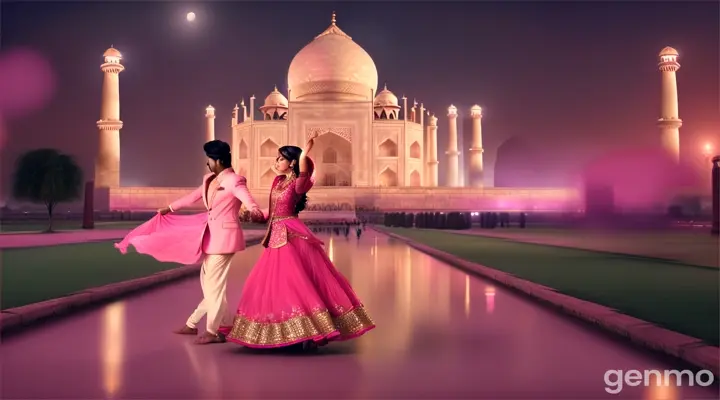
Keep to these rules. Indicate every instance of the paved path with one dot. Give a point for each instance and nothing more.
(691, 247)
(441, 334)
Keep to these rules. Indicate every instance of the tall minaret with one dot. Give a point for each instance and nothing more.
(452, 152)
(107, 164)
(476, 151)
(209, 124)
(432, 154)
(669, 122)
(235, 112)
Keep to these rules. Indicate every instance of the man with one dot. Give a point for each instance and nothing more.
(223, 193)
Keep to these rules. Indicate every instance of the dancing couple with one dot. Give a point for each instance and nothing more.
(293, 295)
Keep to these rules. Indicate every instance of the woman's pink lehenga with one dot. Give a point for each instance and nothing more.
(294, 294)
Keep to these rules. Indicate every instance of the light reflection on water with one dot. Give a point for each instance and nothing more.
(405, 292)
(112, 347)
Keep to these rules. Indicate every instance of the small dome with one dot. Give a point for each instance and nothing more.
(386, 98)
(452, 110)
(332, 67)
(476, 110)
(668, 51)
(112, 52)
(276, 99)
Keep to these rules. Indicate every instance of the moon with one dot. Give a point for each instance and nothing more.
(190, 16)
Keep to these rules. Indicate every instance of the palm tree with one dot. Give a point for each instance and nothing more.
(46, 176)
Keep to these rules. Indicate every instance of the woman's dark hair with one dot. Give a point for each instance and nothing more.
(219, 151)
(292, 153)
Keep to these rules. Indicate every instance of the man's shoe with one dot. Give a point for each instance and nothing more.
(209, 338)
(186, 330)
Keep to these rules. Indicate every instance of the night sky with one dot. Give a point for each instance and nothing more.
(573, 79)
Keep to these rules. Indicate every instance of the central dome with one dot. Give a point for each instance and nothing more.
(332, 67)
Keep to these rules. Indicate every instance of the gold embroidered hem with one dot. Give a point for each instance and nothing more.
(304, 327)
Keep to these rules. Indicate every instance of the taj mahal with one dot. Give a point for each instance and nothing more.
(374, 150)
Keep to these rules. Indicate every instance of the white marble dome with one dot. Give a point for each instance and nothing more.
(332, 67)
(386, 98)
(276, 99)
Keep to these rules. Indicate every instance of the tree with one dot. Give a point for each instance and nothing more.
(46, 176)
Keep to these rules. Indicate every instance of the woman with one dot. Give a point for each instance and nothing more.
(294, 294)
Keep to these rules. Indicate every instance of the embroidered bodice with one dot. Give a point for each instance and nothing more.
(283, 222)
(287, 191)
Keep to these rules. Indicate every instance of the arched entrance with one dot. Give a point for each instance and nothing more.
(388, 178)
(334, 166)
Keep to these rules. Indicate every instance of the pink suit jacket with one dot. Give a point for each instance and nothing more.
(223, 234)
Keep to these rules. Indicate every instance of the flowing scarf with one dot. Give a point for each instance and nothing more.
(168, 238)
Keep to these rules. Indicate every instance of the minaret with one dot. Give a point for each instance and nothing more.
(252, 109)
(452, 152)
(432, 161)
(476, 151)
(107, 164)
(405, 109)
(669, 122)
(235, 116)
(209, 124)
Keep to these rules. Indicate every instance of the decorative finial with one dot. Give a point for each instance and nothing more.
(415, 103)
(385, 86)
(242, 102)
(236, 107)
(275, 90)
(112, 47)
(334, 20)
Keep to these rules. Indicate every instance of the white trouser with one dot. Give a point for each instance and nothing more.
(213, 280)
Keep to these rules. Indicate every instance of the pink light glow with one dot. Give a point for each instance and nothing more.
(639, 177)
(27, 82)
(708, 149)
(489, 299)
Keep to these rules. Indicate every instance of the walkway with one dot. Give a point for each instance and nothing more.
(441, 334)
(688, 246)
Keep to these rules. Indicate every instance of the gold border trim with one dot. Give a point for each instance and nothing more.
(300, 328)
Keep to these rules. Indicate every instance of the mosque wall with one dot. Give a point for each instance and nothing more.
(241, 149)
(440, 199)
(268, 137)
(254, 148)
(414, 151)
(388, 144)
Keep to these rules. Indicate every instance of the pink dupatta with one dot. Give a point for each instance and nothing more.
(168, 238)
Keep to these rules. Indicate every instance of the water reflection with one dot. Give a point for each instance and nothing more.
(467, 296)
(112, 350)
(489, 299)
(206, 370)
(657, 389)
(404, 290)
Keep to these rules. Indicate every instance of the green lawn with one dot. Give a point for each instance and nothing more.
(72, 225)
(681, 297)
(42, 273)
(63, 225)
